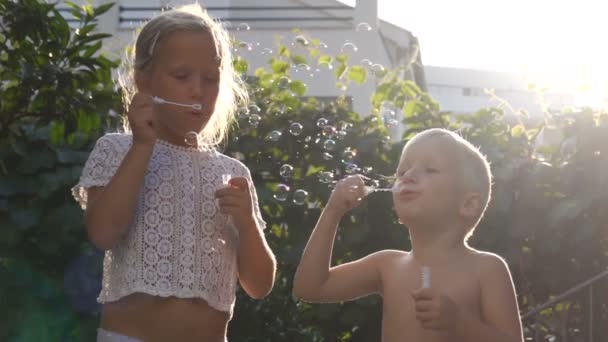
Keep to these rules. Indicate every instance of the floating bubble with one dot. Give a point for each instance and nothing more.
(308, 139)
(322, 122)
(346, 126)
(322, 45)
(281, 192)
(329, 145)
(363, 27)
(389, 115)
(329, 131)
(274, 136)
(327, 156)
(367, 170)
(378, 70)
(266, 51)
(367, 63)
(286, 171)
(296, 129)
(283, 82)
(191, 138)
(349, 47)
(243, 112)
(300, 40)
(243, 27)
(299, 196)
(254, 120)
(348, 155)
(254, 109)
(245, 46)
(326, 65)
(351, 168)
(302, 67)
(340, 135)
(326, 177)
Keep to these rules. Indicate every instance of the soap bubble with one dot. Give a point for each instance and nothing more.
(274, 136)
(351, 168)
(254, 120)
(329, 145)
(299, 196)
(348, 155)
(326, 177)
(300, 40)
(322, 122)
(191, 138)
(327, 156)
(349, 48)
(281, 192)
(363, 27)
(283, 82)
(329, 131)
(254, 109)
(286, 171)
(243, 27)
(296, 129)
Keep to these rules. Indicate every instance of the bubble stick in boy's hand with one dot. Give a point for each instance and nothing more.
(426, 277)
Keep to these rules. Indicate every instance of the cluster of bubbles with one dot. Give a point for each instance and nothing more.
(328, 135)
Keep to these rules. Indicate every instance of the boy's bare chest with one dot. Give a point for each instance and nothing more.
(399, 315)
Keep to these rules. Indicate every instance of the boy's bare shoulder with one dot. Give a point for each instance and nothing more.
(390, 257)
(486, 261)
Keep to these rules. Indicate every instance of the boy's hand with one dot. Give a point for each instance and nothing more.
(435, 311)
(347, 194)
(235, 200)
(142, 120)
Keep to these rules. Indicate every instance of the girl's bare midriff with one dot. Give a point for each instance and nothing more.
(160, 319)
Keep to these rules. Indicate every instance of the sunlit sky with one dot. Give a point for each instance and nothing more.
(562, 45)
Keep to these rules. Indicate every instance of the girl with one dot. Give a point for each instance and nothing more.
(176, 234)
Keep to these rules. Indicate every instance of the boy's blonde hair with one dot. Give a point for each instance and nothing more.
(474, 169)
(232, 92)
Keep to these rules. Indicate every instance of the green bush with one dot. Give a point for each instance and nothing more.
(56, 93)
(546, 218)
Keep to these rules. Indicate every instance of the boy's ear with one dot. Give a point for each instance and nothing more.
(471, 204)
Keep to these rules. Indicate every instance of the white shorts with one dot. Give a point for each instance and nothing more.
(110, 336)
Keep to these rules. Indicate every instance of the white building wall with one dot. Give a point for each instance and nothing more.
(464, 91)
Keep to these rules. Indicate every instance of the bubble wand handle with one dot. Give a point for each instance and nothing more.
(160, 100)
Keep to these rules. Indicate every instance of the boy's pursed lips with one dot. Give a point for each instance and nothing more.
(406, 192)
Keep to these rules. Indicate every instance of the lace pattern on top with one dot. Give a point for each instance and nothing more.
(179, 243)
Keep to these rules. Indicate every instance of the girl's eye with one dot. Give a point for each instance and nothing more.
(431, 170)
(181, 76)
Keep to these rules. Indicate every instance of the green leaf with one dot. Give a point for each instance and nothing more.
(357, 74)
(325, 59)
(103, 9)
(241, 66)
(342, 58)
(298, 87)
(284, 51)
(279, 66)
(517, 131)
(298, 59)
(340, 70)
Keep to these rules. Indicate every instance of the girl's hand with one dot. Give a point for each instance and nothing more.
(142, 120)
(347, 194)
(435, 311)
(235, 200)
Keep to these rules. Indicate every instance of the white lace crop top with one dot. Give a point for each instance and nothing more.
(179, 243)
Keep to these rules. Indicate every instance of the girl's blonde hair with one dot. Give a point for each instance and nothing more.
(232, 92)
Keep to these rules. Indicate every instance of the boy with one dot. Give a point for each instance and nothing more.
(443, 188)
